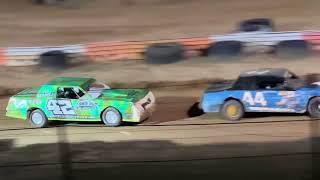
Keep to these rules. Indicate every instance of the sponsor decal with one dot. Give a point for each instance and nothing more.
(269, 109)
(145, 104)
(72, 117)
(288, 98)
(86, 104)
(20, 103)
(47, 94)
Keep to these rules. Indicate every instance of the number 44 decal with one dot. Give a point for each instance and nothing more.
(258, 99)
(60, 107)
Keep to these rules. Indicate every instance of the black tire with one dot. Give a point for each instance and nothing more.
(293, 49)
(225, 49)
(54, 59)
(38, 119)
(164, 53)
(111, 122)
(195, 110)
(258, 24)
(236, 115)
(314, 107)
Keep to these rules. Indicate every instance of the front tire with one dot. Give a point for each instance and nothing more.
(314, 107)
(111, 117)
(232, 110)
(38, 119)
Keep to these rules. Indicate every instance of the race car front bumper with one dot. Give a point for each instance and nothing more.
(145, 107)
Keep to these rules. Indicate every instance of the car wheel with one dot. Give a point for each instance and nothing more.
(314, 107)
(38, 119)
(111, 117)
(232, 110)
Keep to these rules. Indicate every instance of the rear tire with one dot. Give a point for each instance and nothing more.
(232, 110)
(38, 119)
(314, 107)
(111, 117)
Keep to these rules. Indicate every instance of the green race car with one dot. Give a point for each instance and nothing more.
(80, 99)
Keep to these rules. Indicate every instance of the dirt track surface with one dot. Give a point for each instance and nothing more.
(23, 24)
(202, 147)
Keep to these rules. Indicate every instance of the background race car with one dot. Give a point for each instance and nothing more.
(80, 99)
(263, 90)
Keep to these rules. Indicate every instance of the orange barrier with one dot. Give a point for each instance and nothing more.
(135, 49)
(313, 38)
(2, 57)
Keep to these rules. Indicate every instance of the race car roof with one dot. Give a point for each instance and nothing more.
(275, 72)
(70, 81)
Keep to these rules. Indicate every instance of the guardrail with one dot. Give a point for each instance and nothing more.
(134, 50)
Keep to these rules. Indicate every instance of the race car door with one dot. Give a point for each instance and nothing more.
(270, 96)
(68, 105)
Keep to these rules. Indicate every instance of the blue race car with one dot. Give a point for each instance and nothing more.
(263, 90)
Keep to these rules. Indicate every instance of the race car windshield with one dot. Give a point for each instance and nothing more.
(97, 86)
(95, 89)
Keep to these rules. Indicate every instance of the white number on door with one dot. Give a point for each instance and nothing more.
(60, 107)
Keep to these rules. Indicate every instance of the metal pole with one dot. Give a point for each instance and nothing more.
(64, 153)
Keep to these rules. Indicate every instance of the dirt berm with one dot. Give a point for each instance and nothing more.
(137, 74)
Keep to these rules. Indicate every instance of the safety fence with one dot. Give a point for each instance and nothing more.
(134, 50)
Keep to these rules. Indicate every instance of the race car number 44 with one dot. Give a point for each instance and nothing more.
(257, 99)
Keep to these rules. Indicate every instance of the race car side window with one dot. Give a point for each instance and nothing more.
(79, 92)
(265, 85)
(245, 83)
(271, 83)
(69, 93)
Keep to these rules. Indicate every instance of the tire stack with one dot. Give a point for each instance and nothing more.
(165, 53)
(54, 59)
(224, 49)
(292, 49)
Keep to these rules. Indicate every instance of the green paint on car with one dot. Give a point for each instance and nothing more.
(81, 99)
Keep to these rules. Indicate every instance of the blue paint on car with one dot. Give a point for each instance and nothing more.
(263, 90)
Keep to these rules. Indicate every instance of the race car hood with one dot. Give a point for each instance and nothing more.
(219, 86)
(133, 95)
